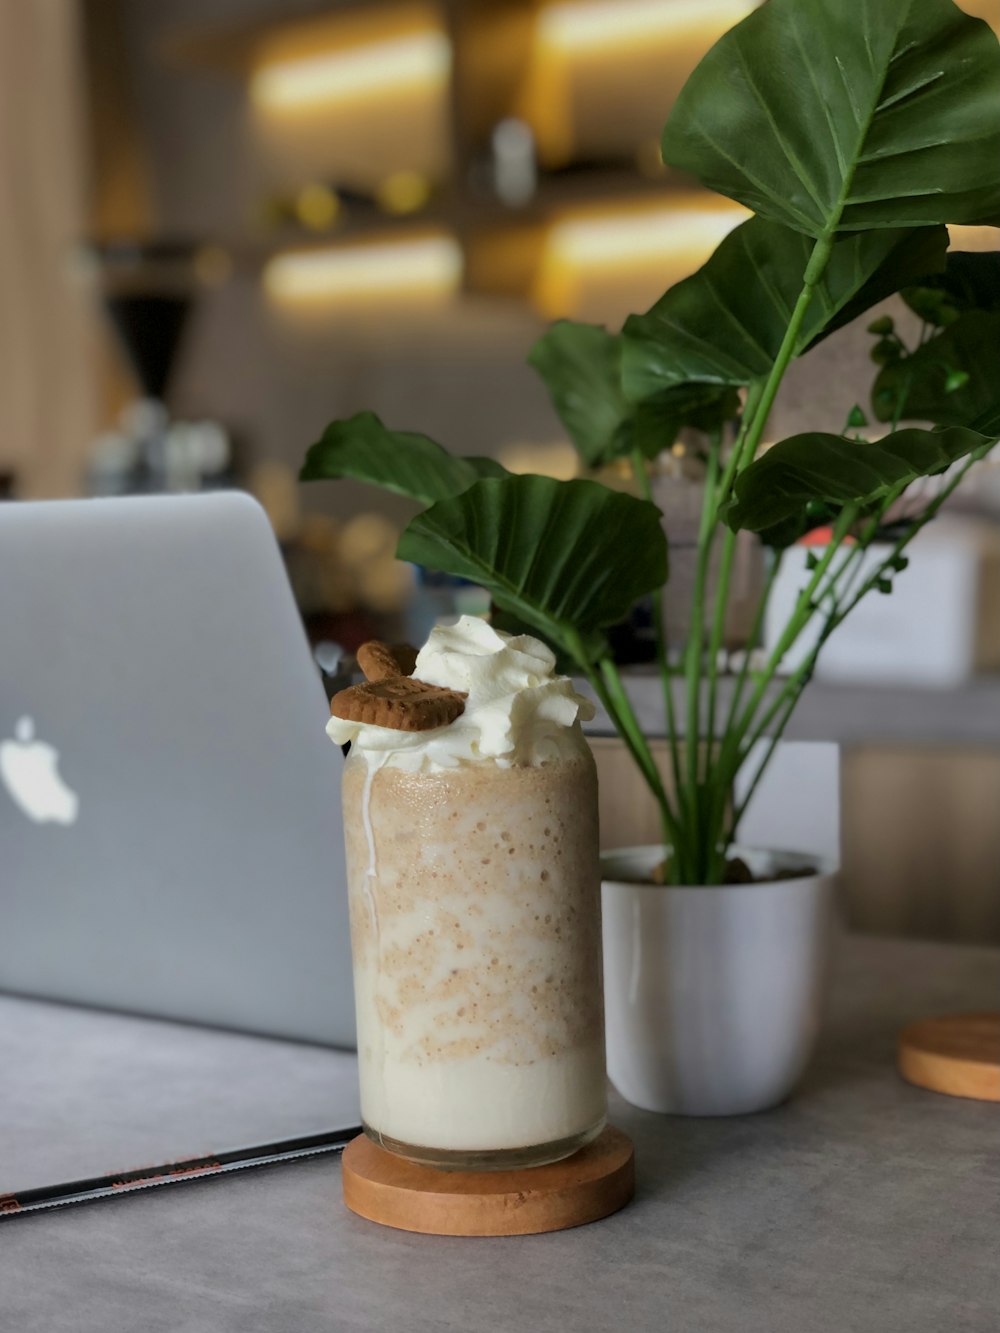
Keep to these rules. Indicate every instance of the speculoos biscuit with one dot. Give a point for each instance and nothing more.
(382, 661)
(400, 703)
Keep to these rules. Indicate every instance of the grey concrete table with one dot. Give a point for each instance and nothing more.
(863, 1204)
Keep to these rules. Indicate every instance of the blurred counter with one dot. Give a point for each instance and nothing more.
(852, 714)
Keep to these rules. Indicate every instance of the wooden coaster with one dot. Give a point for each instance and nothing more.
(958, 1055)
(594, 1182)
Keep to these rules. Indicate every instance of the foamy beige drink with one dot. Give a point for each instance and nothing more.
(475, 914)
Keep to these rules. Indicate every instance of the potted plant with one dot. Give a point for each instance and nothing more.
(854, 132)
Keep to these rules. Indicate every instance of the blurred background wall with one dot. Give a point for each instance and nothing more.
(227, 222)
(534, 147)
(48, 405)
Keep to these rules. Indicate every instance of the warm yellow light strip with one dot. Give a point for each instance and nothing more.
(554, 458)
(972, 238)
(984, 9)
(418, 60)
(424, 268)
(583, 252)
(639, 237)
(588, 25)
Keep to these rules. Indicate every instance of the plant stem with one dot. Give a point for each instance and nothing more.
(737, 461)
(849, 570)
(628, 726)
(793, 688)
(790, 689)
(791, 692)
(608, 687)
(721, 597)
(902, 542)
(787, 699)
(696, 630)
(755, 632)
(721, 785)
(615, 691)
(760, 400)
(718, 631)
(641, 474)
(815, 269)
(803, 612)
(792, 700)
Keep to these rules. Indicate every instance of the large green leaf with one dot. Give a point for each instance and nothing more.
(830, 469)
(970, 281)
(564, 556)
(952, 380)
(580, 365)
(726, 322)
(362, 449)
(657, 420)
(843, 115)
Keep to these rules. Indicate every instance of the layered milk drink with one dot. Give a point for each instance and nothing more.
(475, 913)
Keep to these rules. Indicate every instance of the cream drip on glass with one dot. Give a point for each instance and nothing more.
(475, 912)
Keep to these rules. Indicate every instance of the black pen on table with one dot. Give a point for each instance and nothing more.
(173, 1173)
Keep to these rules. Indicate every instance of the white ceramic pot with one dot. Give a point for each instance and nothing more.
(713, 996)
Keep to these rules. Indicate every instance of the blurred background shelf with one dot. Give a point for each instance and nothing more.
(850, 714)
(257, 216)
(385, 201)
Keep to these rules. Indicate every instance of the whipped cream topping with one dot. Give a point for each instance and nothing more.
(518, 712)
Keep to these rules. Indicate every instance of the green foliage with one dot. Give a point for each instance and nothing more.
(886, 351)
(847, 115)
(725, 323)
(856, 417)
(829, 468)
(953, 380)
(970, 281)
(854, 129)
(362, 449)
(567, 557)
(581, 366)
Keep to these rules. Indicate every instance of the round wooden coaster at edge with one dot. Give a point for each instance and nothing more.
(957, 1054)
(591, 1184)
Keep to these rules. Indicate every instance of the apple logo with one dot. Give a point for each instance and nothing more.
(30, 772)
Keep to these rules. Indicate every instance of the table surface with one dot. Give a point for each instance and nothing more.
(862, 1204)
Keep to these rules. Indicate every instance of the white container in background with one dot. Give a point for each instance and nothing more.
(713, 996)
(938, 627)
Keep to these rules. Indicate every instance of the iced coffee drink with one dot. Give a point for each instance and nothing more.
(475, 912)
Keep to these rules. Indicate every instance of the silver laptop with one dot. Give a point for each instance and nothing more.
(170, 835)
